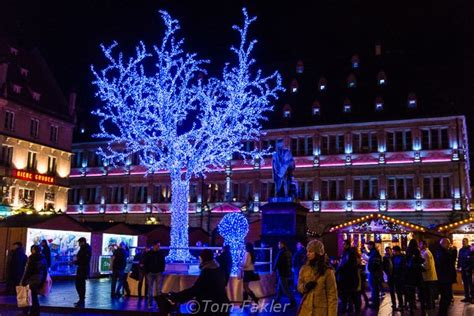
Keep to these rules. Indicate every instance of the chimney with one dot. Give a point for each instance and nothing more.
(72, 103)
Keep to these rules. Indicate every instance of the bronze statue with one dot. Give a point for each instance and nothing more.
(283, 165)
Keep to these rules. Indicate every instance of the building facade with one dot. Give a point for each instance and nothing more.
(35, 134)
(416, 170)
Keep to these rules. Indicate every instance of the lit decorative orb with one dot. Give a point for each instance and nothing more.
(234, 227)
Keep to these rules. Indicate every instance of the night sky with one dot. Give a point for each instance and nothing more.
(436, 35)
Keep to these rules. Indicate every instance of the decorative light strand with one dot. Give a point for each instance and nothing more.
(234, 227)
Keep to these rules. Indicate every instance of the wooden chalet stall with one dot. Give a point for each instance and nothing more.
(383, 229)
(61, 232)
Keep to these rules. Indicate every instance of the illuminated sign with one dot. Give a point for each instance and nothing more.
(25, 175)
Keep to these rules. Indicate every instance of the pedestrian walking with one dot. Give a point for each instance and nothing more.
(414, 276)
(317, 284)
(35, 275)
(118, 264)
(225, 262)
(347, 276)
(283, 270)
(16, 262)
(139, 272)
(154, 266)
(247, 268)
(387, 267)
(82, 260)
(465, 265)
(374, 266)
(46, 251)
(446, 271)
(430, 277)
(399, 276)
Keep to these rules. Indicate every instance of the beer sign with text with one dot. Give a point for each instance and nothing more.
(30, 176)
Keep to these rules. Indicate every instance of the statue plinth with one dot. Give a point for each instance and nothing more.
(283, 220)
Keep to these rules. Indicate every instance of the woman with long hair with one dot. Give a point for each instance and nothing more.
(317, 283)
(249, 274)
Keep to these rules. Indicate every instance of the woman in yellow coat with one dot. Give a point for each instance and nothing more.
(317, 283)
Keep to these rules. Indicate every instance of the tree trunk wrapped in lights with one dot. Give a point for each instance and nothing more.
(176, 119)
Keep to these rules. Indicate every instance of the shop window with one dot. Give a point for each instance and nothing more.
(49, 199)
(437, 187)
(399, 141)
(26, 197)
(400, 188)
(9, 122)
(34, 128)
(332, 190)
(6, 155)
(365, 188)
(302, 146)
(332, 144)
(434, 138)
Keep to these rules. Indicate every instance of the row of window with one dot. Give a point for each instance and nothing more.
(363, 142)
(398, 188)
(6, 156)
(9, 125)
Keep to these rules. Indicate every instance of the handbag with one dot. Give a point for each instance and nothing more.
(23, 296)
(47, 285)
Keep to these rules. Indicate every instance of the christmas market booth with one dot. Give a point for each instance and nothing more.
(61, 231)
(457, 231)
(383, 229)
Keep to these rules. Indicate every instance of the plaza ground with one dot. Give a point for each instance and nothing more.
(98, 301)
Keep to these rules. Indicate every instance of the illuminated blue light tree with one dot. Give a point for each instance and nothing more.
(234, 227)
(175, 119)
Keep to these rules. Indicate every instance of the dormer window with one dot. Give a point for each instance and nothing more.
(13, 51)
(36, 96)
(351, 81)
(16, 89)
(355, 61)
(287, 111)
(299, 67)
(347, 105)
(322, 85)
(378, 104)
(381, 78)
(411, 101)
(24, 72)
(316, 109)
(294, 86)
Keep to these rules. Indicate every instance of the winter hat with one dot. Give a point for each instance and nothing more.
(206, 255)
(316, 246)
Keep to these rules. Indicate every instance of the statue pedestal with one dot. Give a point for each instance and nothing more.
(283, 221)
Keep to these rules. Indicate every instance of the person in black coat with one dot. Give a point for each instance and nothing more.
(283, 270)
(209, 288)
(35, 276)
(414, 276)
(225, 262)
(46, 251)
(347, 275)
(16, 263)
(446, 271)
(399, 276)
(375, 274)
(387, 264)
(82, 260)
(466, 264)
(119, 263)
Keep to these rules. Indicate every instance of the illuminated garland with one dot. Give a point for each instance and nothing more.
(234, 227)
(147, 112)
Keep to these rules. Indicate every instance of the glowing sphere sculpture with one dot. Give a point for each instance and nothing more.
(234, 227)
(162, 106)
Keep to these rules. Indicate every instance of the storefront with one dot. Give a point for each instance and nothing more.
(60, 231)
(385, 230)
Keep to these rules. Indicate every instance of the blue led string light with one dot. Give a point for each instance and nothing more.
(145, 111)
(234, 227)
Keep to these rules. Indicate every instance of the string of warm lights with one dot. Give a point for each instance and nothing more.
(461, 222)
(379, 216)
(148, 113)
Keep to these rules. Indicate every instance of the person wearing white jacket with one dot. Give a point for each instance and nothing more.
(429, 275)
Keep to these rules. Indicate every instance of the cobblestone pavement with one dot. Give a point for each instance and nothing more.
(98, 301)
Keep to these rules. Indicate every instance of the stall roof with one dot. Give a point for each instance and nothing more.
(53, 221)
(371, 217)
(454, 225)
(226, 208)
(119, 228)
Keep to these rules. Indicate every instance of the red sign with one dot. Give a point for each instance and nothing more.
(25, 175)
